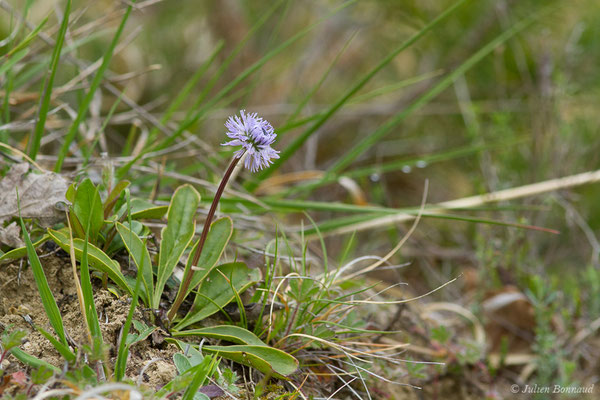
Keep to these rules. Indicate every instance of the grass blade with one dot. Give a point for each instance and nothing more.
(244, 75)
(34, 144)
(395, 86)
(185, 92)
(396, 165)
(363, 221)
(86, 285)
(7, 64)
(299, 141)
(318, 85)
(203, 371)
(60, 347)
(442, 85)
(83, 107)
(123, 351)
(25, 42)
(32, 361)
(138, 251)
(48, 300)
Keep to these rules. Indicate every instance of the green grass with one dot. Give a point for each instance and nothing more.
(47, 298)
(85, 104)
(300, 140)
(34, 146)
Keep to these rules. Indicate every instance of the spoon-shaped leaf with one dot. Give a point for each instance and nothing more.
(218, 236)
(177, 235)
(88, 208)
(216, 291)
(230, 333)
(142, 260)
(267, 360)
(21, 252)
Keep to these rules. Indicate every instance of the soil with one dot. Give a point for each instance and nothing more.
(21, 307)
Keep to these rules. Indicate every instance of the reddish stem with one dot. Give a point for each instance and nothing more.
(188, 273)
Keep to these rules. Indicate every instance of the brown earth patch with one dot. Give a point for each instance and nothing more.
(21, 308)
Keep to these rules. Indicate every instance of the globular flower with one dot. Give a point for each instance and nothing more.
(256, 136)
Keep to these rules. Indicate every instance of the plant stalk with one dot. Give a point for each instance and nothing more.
(188, 273)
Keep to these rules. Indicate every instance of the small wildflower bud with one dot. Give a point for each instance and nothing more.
(256, 136)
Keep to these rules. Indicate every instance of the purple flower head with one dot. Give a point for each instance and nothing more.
(256, 136)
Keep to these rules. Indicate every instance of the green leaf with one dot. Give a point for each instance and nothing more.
(21, 252)
(218, 236)
(124, 344)
(88, 208)
(142, 260)
(70, 194)
(48, 85)
(230, 333)
(25, 42)
(181, 362)
(202, 371)
(191, 380)
(63, 349)
(113, 197)
(32, 361)
(41, 375)
(441, 334)
(6, 65)
(184, 362)
(85, 104)
(143, 332)
(177, 235)
(267, 360)
(76, 225)
(117, 243)
(97, 258)
(216, 292)
(48, 300)
(155, 212)
(10, 338)
(143, 209)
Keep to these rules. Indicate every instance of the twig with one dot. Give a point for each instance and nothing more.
(474, 201)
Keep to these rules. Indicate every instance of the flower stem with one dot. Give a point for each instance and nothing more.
(189, 272)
